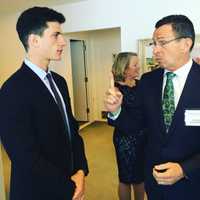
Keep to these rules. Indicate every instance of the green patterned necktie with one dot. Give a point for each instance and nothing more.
(168, 104)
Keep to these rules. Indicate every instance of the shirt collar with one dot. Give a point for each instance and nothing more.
(182, 71)
(40, 72)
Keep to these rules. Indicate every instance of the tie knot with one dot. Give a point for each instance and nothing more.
(170, 75)
(48, 76)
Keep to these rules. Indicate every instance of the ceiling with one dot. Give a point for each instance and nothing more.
(9, 6)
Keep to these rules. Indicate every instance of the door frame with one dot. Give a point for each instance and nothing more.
(86, 85)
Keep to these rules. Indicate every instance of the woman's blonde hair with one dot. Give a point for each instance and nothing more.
(121, 63)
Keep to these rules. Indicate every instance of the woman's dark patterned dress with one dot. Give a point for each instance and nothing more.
(129, 146)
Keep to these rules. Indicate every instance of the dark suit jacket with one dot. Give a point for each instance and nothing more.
(181, 144)
(33, 134)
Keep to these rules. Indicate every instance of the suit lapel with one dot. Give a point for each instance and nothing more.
(161, 117)
(156, 93)
(159, 90)
(41, 92)
(41, 89)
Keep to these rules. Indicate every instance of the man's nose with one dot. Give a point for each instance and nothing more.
(62, 41)
(156, 49)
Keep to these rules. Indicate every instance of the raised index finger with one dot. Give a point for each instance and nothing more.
(112, 82)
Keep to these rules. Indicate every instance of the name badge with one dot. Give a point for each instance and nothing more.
(192, 117)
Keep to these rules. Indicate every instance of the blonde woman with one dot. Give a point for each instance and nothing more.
(129, 145)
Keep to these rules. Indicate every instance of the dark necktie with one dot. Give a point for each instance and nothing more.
(168, 104)
(64, 116)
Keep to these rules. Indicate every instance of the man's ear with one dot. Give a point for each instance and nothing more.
(33, 40)
(188, 44)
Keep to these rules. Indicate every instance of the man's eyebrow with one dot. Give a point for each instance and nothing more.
(57, 33)
(158, 38)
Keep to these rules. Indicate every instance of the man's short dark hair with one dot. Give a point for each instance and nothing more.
(34, 21)
(181, 25)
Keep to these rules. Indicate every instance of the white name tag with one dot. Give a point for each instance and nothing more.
(192, 117)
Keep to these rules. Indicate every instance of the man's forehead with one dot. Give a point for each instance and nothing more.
(54, 26)
(163, 31)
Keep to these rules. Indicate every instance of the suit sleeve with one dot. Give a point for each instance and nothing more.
(191, 166)
(80, 161)
(131, 118)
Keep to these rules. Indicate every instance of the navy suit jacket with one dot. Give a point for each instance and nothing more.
(33, 134)
(181, 144)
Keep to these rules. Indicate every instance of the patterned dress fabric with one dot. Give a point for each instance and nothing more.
(168, 104)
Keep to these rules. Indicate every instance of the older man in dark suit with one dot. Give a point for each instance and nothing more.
(37, 128)
(169, 101)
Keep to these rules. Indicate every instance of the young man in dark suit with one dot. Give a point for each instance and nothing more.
(37, 128)
(169, 102)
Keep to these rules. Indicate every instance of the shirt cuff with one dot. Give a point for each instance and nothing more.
(114, 115)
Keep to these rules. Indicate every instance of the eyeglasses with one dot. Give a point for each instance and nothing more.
(162, 43)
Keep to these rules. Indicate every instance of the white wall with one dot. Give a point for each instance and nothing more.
(135, 17)
(11, 51)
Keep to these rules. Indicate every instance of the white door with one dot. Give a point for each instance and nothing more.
(79, 79)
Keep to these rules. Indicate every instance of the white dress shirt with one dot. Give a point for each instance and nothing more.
(179, 80)
(42, 75)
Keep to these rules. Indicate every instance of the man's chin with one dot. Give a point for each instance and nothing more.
(161, 64)
(56, 59)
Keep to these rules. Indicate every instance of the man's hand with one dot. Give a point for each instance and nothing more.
(79, 180)
(168, 173)
(113, 99)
